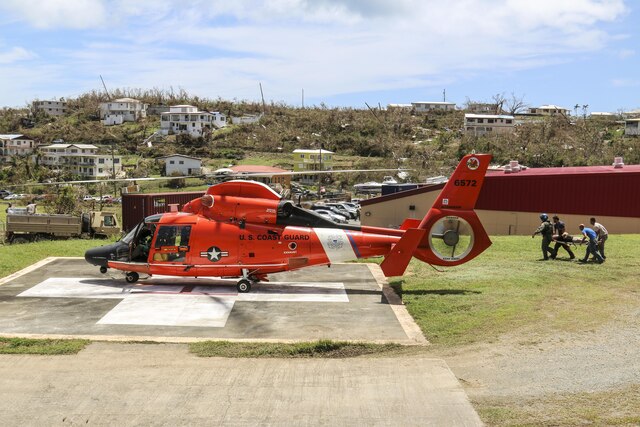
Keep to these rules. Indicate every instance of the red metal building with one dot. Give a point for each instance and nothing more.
(137, 206)
(509, 203)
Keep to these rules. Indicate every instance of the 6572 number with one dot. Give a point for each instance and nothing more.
(465, 183)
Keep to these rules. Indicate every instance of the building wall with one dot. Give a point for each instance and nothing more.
(478, 124)
(183, 165)
(52, 108)
(632, 128)
(391, 213)
(422, 107)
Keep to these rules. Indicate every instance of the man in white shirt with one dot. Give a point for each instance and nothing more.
(602, 233)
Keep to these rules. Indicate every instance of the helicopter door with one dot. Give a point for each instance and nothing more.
(171, 243)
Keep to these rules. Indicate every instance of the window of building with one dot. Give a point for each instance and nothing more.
(480, 120)
(171, 162)
(100, 160)
(509, 121)
(181, 162)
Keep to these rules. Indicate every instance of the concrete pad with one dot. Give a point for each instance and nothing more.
(68, 297)
(164, 385)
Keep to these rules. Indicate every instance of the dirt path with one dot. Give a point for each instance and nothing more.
(531, 373)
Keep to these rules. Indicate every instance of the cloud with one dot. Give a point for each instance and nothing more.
(49, 14)
(14, 55)
(329, 47)
(625, 83)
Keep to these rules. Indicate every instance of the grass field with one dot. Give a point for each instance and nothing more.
(507, 288)
(17, 257)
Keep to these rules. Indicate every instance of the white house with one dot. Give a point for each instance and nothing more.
(185, 165)
(399, 107)
(80, 159)
(482, 124)
(424, 106)
(15, 144)
(122, 110)
(632, 127)
(549, 110)
(187, 119)
(52, 108)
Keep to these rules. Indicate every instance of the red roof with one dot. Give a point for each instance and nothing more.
(588, 190)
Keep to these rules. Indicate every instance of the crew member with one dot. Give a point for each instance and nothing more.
(546, 230)
(559, 232)
(31, 208)
(592, 246)
(602, 233)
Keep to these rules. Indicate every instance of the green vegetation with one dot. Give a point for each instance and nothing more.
(430, 144)
(322, 348)
(570, 409)
(41, 346)
(507, 288)
(16, 257)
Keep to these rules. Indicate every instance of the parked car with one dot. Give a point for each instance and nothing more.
(348, 211)
(332, 215)
(16, 196)
(5, 193)
(90, 198)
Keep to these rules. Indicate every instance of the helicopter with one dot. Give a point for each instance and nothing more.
(244, 230)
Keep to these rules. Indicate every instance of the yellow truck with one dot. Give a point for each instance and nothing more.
(22, 227)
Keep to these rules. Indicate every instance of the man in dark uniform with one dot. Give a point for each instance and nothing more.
(558, 233)
(546, 230)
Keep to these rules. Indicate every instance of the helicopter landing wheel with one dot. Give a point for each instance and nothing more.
(254, 278)
(243, 286)
(131, 277)
(103, 270)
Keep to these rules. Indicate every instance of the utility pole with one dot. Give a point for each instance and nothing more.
(302, 97)
(105, 87)
(262, 95)
(444, 95)
(320, 175)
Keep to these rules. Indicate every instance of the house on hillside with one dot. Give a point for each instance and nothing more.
(80, 159)
(311, 160)
(483, 108)
(51, 108)
(549, 110)
(268, 174)
(186, 119)
(399, 107)
(15, 144)
(512, 199)
(122, 110)
(483, 124)
(425, 106)
(184, 165)
(632, 127)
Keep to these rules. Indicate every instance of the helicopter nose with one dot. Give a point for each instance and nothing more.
(99, 256)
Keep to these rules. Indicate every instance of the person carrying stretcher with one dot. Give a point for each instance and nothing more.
(561, 237)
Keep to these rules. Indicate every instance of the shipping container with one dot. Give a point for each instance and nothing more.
(137, 206)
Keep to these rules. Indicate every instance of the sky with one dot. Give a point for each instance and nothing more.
(343, 53)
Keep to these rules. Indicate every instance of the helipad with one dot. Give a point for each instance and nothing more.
(67, 297)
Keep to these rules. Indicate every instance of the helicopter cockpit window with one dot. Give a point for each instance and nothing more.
(172, 243)
(142, 242)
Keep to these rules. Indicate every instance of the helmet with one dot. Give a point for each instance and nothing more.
(544, 217)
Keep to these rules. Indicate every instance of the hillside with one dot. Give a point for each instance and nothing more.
(430, 144)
